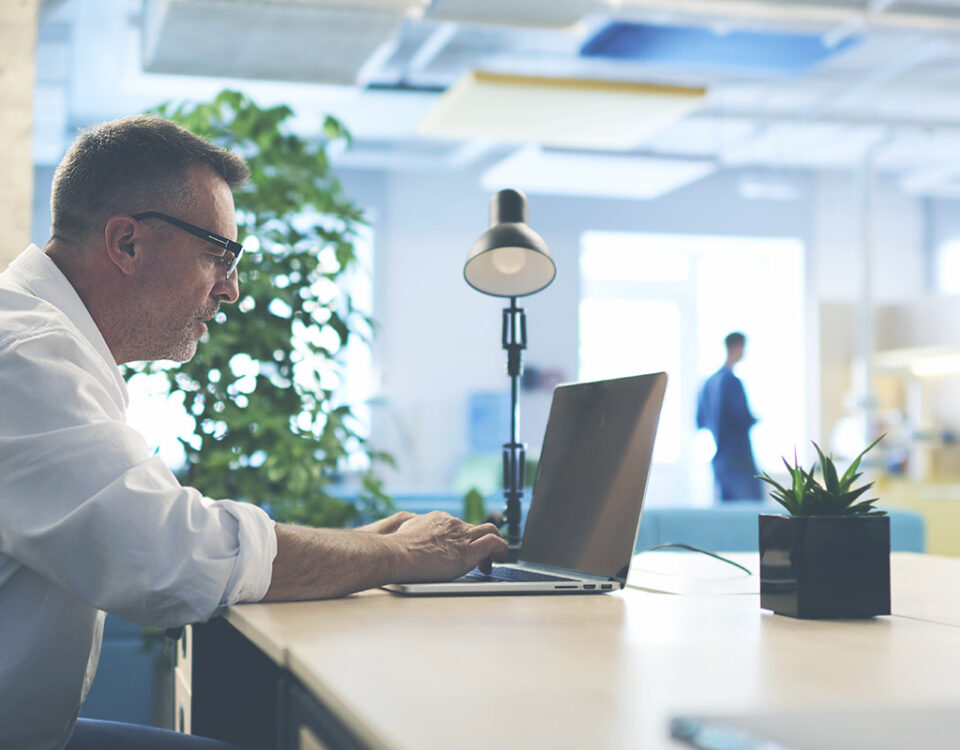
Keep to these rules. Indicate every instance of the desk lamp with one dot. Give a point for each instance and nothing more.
(511, 260)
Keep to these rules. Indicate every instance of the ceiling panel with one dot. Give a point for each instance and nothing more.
(301, 40)
(576, 113)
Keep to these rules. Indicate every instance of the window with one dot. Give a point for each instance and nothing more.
(948, 268)
(654, 302)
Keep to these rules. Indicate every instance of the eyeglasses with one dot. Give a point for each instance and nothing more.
(225, 245)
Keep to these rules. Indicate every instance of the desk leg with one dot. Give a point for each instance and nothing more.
(311, 726)
(236, 690)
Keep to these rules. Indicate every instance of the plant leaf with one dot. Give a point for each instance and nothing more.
(854, 467)
(829, 472)
(849, 497)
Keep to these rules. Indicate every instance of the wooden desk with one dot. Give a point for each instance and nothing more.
(608, 671)
(923, 587)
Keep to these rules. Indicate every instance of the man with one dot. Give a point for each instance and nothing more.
(141, 257)
(722, 409)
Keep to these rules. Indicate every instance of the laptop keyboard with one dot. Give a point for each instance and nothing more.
(503, 573)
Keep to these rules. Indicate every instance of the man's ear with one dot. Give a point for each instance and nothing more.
(122, 236)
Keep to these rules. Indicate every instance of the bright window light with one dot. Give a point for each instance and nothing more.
(654, 347)
(654, 302)
(617, 259)
(948, 268)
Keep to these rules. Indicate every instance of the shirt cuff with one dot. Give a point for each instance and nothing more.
(257, 544)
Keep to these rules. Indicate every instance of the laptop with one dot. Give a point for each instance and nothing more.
(585, 511)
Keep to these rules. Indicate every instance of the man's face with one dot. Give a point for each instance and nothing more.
(183, 284)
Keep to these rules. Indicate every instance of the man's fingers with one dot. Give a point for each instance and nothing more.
(491, 547)
(481, 530)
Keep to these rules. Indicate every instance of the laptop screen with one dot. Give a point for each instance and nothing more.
(592, 474)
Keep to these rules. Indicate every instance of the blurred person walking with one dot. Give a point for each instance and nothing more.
(722, 408)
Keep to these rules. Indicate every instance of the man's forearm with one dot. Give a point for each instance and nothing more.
(324, 563)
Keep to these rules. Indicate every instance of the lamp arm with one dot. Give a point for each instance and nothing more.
(514, 339)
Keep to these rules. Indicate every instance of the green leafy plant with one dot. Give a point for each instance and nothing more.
(835, 497)
(262, 390)
(474, 510)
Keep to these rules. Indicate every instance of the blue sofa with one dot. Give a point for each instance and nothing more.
(731, 527)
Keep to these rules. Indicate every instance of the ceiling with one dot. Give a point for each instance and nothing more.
(789, 85)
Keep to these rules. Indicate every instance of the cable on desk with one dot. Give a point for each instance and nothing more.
(691, 548)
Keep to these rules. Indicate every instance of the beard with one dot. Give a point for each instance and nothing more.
(178, 340)
(184, 349)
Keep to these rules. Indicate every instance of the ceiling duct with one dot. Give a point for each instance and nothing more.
(844, 15)
(296, 40)
(533, 13)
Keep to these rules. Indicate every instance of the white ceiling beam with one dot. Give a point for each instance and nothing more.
(760, 11)
(432, 46)
(919, 55)
(842, 31)
(931, 179)
(886, 121)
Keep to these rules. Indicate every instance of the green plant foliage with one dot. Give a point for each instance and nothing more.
(261, 389)
(835, 497)
(474, 510)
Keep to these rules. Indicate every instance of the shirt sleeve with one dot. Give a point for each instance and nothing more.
(736, 413)
(84, 504)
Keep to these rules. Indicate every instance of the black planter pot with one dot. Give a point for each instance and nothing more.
(825, 566)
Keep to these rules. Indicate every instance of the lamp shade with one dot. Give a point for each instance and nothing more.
(509, 259)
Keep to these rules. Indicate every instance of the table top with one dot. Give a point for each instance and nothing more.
(608, 670)
(924, 587)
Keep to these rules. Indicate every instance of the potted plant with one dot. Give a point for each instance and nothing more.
(830, 557)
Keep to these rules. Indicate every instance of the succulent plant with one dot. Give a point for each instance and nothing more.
(807, 497)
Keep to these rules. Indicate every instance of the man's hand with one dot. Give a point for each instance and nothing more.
(439, 547)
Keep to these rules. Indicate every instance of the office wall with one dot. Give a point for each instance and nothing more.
(18, 35)
(40, 212)
(439, 340)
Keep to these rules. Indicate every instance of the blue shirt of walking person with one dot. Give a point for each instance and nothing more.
(722, 408)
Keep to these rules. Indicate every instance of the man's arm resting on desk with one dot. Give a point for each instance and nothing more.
(325, 563)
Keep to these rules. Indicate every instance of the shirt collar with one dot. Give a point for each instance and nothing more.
(37, 272)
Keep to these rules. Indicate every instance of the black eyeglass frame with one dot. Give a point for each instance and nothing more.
(227, 246)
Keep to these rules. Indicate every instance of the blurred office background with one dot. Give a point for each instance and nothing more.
(792, 172)
(787, 169)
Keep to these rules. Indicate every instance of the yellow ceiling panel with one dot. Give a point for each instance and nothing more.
(562, 112)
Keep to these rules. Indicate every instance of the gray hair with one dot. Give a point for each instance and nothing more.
(133, 164)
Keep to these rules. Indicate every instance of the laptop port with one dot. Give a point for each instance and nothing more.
(606, 586)
(564, 587)
(589, 586)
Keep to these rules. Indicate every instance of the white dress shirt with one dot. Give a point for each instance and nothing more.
(89, 520)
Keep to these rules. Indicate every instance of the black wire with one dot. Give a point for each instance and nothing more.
(703, 551)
